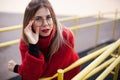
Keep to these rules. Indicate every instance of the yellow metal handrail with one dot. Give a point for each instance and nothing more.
(102, 53)
(109, 69)
(9, 43)
(92, 69)
(60, 74)
(96, 62)
(10, 28)
(72, 28)
(61, 20)
(91, 24)
(80, 61)
(99, 68)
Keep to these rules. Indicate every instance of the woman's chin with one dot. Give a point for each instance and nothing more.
(44, 35)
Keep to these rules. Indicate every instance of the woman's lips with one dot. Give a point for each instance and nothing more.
(45, 30)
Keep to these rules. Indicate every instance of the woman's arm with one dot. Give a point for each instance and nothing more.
(31, 67)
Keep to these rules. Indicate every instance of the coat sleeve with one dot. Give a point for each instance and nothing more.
(31, 67)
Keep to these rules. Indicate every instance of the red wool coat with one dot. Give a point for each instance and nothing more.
(33, 68)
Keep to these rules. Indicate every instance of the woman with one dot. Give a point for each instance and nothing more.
(46, 46)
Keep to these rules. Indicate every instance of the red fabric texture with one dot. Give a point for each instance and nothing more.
(33, 68)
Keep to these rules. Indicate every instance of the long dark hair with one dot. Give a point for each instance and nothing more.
(30, 11)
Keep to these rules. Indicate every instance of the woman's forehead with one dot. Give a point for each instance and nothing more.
(42, 12)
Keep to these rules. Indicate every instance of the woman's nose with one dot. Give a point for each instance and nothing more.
(45, 22)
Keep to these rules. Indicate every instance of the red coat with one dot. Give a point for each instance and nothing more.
(33, 68)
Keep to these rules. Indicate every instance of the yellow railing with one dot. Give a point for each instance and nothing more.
(97, 61)
(74, 28)
(9, 43)
(10, 28)
(94, 66)
(100, 55)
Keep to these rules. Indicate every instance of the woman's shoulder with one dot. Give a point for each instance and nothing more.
(67, 32)
(22, 43)
(68, 36)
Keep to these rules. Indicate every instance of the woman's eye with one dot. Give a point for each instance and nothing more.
(38, 18)
(49, 17)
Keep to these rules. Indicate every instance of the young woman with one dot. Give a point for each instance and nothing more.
(46, 46)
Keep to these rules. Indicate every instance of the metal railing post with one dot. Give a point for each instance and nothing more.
(117, 68)
(74, 24)
(115, 24)
(97, 29)
(60, 74)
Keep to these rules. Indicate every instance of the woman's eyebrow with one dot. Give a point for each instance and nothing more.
(45, 15)
(38, 16)
(49, 15)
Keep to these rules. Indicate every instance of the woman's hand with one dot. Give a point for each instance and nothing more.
(11, 65)
(32, 36)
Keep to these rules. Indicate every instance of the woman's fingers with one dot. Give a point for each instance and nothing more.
(29, 26)
(30, 23)
(32, 32)
(11, 65)
(37, 30)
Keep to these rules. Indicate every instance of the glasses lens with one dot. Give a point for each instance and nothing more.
(40, 20)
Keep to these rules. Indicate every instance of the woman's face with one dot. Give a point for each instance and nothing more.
(43, 20)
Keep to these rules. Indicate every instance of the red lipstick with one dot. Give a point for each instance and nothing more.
(45, 30)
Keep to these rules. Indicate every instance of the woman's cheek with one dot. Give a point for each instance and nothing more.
(35, 25)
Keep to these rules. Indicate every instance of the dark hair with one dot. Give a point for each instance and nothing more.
(32, 8)
(30, 11)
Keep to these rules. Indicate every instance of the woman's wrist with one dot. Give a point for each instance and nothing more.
(33, 50)
(16, 68)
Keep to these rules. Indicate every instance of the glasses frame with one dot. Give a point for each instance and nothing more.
(41, 20)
